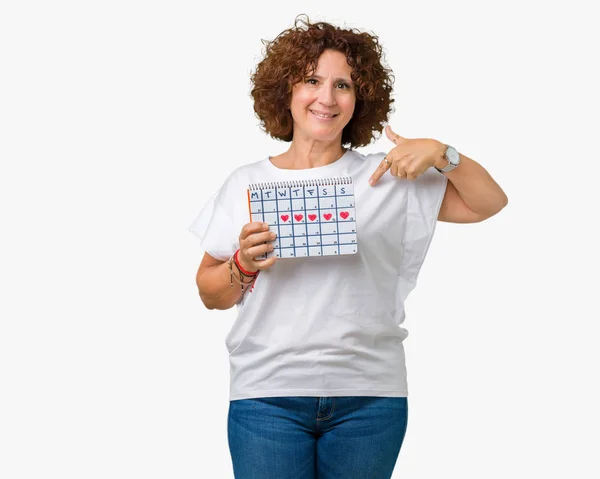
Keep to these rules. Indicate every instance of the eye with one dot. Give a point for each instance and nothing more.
(311, 80)
(345, 85)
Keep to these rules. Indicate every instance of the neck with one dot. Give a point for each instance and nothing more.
(304, 155)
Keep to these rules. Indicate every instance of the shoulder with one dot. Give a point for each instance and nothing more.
(248, 170)
(369, 158)
(242, 175)
(232, 195)
(359, 163)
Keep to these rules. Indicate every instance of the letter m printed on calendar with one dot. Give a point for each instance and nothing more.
(310, 217)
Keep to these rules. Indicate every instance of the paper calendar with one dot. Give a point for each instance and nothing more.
(310, 217)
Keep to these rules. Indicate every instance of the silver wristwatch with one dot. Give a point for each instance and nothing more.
(453, 159)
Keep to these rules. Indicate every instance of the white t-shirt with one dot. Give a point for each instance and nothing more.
(330, 325)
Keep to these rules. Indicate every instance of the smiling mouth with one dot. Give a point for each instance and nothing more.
(322, 116)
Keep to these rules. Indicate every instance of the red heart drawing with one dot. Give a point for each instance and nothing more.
(327, 216)
(285, 217)
(344, 214)
(298, 217)
(312, 217)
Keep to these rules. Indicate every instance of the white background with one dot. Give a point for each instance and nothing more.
(119, 119)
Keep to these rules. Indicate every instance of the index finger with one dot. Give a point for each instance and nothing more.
(254, 227)
(381, 169)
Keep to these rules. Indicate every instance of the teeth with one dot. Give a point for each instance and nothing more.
(322, 116)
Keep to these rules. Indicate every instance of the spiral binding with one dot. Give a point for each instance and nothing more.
(340, 180)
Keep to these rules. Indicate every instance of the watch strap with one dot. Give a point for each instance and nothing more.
(449, 167)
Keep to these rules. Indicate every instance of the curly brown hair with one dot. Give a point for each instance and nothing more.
(293, 56)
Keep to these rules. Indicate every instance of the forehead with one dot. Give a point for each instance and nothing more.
(331, 62)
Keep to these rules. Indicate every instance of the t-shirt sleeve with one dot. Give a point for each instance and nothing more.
(424, 202)
(215, 229)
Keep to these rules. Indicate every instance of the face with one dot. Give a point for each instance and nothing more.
(323, 104)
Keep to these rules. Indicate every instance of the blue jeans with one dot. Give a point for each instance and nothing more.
(316, 437)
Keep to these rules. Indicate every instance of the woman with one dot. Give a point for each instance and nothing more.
(318, 379)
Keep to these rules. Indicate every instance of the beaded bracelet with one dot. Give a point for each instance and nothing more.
(233, 276)
(242, 273)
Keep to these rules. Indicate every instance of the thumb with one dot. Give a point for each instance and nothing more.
(393, 137)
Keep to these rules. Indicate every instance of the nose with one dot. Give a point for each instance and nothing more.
(327, 97)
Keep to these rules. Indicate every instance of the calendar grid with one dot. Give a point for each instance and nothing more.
(329, 219)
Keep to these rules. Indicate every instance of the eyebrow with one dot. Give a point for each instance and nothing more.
(347, 80)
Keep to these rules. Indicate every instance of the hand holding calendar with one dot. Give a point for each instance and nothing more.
(256, 240)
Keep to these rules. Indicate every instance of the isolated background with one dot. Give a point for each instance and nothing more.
(119, 119)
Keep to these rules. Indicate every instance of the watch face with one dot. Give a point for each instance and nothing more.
(452, 155)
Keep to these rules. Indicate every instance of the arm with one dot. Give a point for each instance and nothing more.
(471, 194)
(214, 278)
(214, 284)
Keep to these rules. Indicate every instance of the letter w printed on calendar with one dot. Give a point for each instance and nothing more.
(310, 217)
